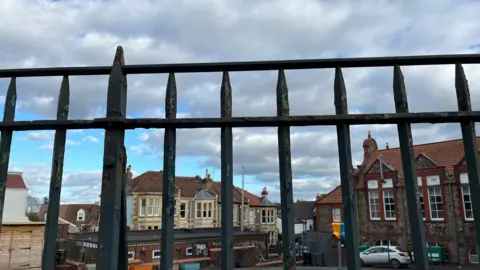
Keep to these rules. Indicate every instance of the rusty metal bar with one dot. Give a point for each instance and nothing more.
(122, 232)
(470, 145)
(168, 194)
(410, 173)
(250, 65)
(6, 141)
(50, 243)
(113, 171)
(285, 169)
(265, 121)
(226, 140)
(346, 170)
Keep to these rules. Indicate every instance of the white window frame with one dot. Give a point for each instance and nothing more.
(131, 253)
(156, 257)
(184, 210)
(143, 208)
(391, 195)
(198, 210)
(234, 214)
(252, 216)
(189, 251)
(270, 216)
(271, 238)
(150, 207)
(434, 190)
(383, 242)
(81, 215)
(210, 210)
(337, 217)
(45, 215)
(263, 216)
(370, 198)
(245, 214)
(464, 186)
(156, 207)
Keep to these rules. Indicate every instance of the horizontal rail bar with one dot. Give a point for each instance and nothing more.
(250, 66)
(265, 121)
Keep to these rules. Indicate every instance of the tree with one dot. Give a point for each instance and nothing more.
(33, 204)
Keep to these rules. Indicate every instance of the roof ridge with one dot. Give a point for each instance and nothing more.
(422, 144)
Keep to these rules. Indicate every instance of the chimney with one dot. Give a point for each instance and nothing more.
(319, 196)
(369, 146)
(129, 177)
(208, 181)
(387, 146)
(265, 193)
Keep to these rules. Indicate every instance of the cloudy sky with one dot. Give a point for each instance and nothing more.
(86, 32)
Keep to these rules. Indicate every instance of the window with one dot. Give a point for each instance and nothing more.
(234, 214)
(131, 255)
(156, 207)
(436, 206)
(271, 238)
(80, 215)
(374, 204)
(252, 216)
(143, 205)
(209, 210)
(183, 210)
(156, 254)
(420, 196)
(204, 210)
(270, 216)
(382, 242)
(388, 204)
(245, 214)
(199, 210)
(336, 215)
(264, 216)
(150, 207)
(467, 197)
(45, 216)
(189, 251)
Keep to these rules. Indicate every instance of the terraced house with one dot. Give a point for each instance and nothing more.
(197, 204)
(443, 191)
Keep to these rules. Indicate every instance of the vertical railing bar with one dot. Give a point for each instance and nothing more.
(410, 174)
(470, 146)
(6, 141)
(346, 170)
(226, 142)
(49, 249)
(108, 255)
(285, 169)
(168, 193)
(122, 237)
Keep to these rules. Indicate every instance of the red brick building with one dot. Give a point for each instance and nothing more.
(382, 208)
(328, 210)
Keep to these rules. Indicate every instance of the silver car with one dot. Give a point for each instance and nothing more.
(394, 256)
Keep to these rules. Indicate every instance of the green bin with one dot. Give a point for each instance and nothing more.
(436, 254)
(362, 248)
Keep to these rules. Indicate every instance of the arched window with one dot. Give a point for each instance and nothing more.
(473, 256)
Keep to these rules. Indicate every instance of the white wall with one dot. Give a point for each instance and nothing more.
(15, 205)
(299, 227)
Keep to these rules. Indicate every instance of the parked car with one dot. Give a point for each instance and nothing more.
(394, 256)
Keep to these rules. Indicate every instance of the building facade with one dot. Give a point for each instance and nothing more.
(197, 205)
(444, 197)
(15, 199)
(79, 217)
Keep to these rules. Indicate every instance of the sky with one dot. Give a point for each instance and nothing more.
(87, 32)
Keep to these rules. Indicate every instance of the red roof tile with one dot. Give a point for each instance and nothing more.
(15, 181)
(334, 197)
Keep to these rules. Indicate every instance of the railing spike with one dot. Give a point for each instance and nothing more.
(6, 141)
(49, 250)
(285, 168)
(109, 255)
(168, 197)
(347, 183)
(470, 145)
(410, 174)
(226, 141)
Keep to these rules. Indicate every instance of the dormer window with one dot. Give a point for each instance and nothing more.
(81, 215)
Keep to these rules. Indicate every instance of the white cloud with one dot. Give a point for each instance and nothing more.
(91, 139)
(193, 31)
